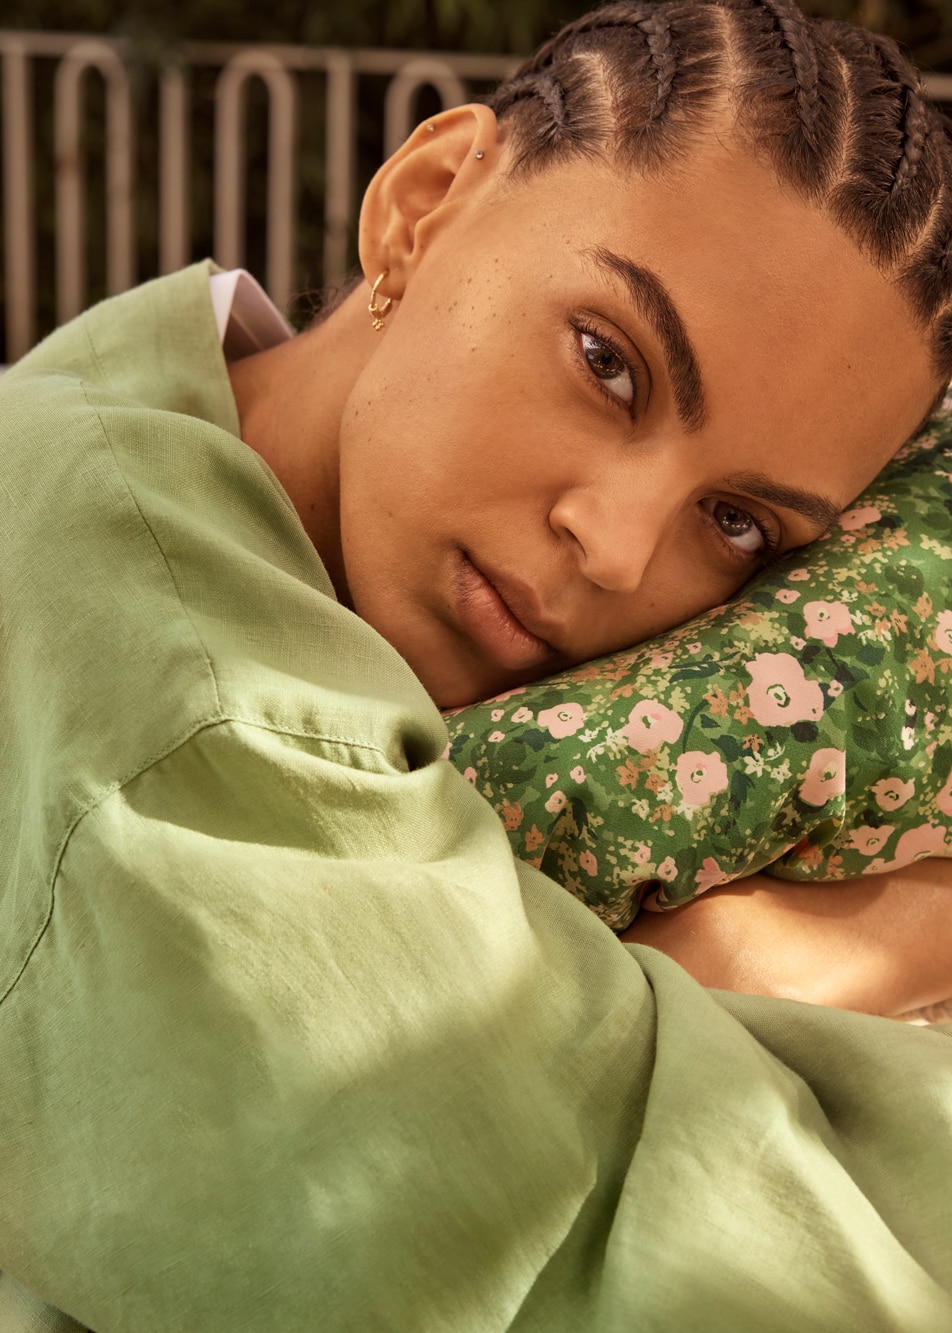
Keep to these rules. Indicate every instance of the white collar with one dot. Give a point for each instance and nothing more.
(248, 320)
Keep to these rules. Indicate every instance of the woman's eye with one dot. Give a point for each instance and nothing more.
(607, 366)
(740, 528)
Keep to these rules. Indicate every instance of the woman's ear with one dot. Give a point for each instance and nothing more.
(417, 190)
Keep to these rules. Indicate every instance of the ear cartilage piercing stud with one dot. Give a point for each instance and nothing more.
(480, 155)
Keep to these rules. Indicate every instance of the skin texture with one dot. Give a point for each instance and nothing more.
(880, 945)
(473, 431)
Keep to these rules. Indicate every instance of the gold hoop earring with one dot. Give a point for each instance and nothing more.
(379, 313)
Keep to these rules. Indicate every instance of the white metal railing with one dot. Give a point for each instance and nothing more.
(279, 67)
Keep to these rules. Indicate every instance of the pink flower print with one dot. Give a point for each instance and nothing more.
(859, 517)
(694, 647)
(642, 853)
(497, 735)
(446, 751)
(943, 633)
(826, 621)
(834, 689)
(709, 875)
(650, 725)
(870, 841)
(788, 596)
(779, 692)
(470, 775)
(588, 863)
(522, 715)
(578, 773)
(798, 575)
(825, 778)
(551, 779)
(700, 776)
(562, 720)
(667, 870)
(660, 659)
(556, 802)
(498, 714)
(944, 798)
(797, 642)
(913, 845)
(893, 793)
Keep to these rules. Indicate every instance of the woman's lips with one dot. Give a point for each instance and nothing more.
(488, 620)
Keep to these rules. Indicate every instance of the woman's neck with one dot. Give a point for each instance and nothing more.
(290, 401)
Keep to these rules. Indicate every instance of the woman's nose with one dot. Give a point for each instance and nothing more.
(615, 536)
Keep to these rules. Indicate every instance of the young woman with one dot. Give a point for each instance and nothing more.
(653, 318)
(288, 1039)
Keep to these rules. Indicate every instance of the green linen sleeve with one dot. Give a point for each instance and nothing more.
(302, 1046)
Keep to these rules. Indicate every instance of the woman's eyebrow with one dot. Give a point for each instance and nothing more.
(653, 301)
(820, 509)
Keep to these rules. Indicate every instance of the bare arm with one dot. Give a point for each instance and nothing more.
(881, 944)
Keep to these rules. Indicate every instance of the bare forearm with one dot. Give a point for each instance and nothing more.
(881, 944)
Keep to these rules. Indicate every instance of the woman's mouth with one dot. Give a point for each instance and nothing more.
(488, 620)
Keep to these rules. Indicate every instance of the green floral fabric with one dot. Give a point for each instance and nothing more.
(802, 729)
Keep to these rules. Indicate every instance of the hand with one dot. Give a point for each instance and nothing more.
(881, 944)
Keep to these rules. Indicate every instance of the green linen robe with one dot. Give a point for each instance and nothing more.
(288, 1040)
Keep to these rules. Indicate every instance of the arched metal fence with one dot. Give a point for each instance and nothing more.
(334, 79)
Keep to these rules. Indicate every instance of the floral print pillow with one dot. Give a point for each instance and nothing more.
(803, 729)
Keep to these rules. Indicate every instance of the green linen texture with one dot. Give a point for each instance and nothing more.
(802, 729)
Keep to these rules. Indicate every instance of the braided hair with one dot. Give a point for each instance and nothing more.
(838, 112)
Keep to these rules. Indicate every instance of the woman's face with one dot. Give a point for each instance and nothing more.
(604, 402)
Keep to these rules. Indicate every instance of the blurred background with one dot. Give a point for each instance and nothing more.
(137, 136)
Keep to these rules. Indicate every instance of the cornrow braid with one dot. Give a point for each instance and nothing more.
(887, 187)
(837, 112)
(792, 25)
(627, 110)
(656, 26)
(550, 93)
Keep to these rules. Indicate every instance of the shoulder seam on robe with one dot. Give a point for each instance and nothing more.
(179, 743)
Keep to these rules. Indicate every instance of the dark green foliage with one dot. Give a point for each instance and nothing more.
(473, 25)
